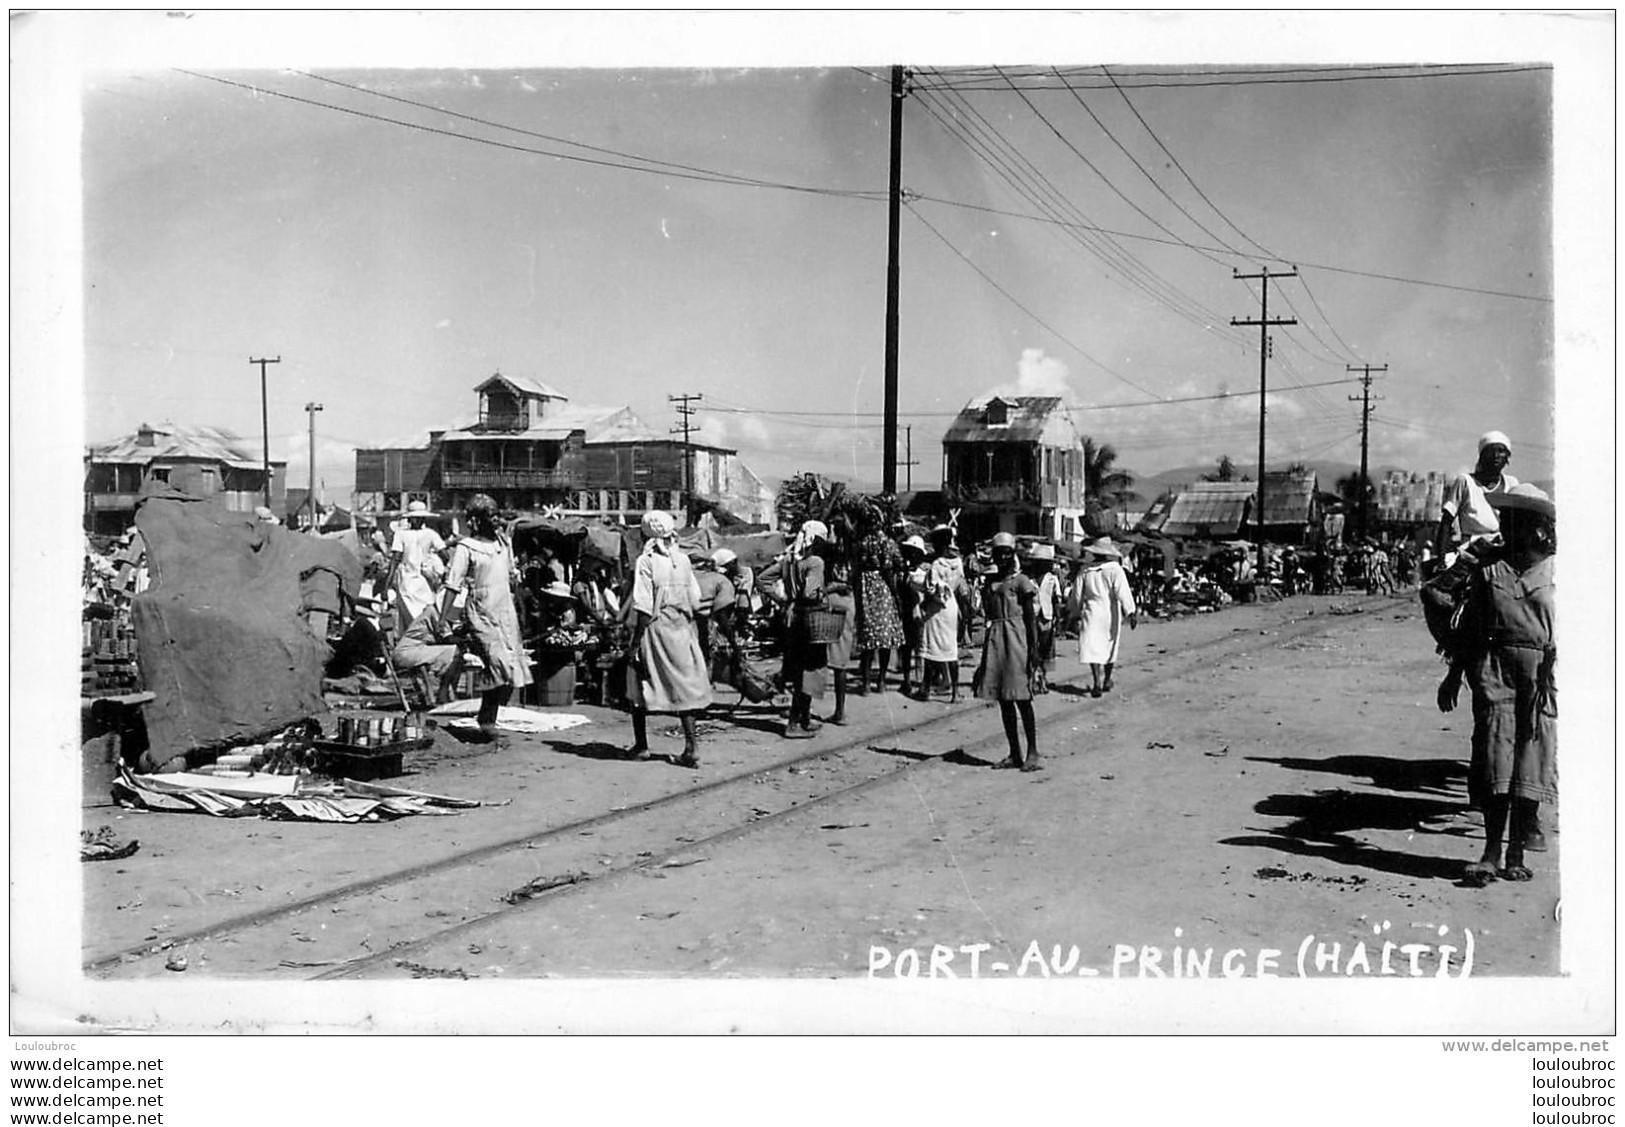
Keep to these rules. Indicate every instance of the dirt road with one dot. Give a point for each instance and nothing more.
(1252, 799)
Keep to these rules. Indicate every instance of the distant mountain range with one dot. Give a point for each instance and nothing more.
(1330, 473)
(1150, 487)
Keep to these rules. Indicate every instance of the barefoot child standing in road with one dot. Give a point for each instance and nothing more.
(1010, 652)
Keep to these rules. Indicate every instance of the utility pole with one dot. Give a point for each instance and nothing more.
(310, 410)
(1365, 401)
(908, 458)
(685, 407)
(265, 425)
(894, 215)
(1264, 324)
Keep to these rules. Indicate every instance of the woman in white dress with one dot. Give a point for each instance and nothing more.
(940, 588)
(482, 562)
(1101, 600)
(670, 673)
(415, 554)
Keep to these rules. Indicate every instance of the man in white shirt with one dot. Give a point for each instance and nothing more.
(1466, 501)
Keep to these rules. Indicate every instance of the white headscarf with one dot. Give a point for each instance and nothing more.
(811, 532)
(659, 530)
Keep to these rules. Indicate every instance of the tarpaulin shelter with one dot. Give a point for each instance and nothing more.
(756, 550)
(570, 537)
(223, 644)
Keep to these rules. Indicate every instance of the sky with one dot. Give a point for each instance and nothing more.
(392, 267)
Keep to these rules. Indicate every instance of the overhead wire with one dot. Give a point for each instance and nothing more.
(1022, 184)
(1205, 198)
(731, 176)
(1299, 262)
(1132, 270)
(1165, 70)
(1028, 102)
(980, 84)
(678, 173)
(986, 277)
(1156, 286)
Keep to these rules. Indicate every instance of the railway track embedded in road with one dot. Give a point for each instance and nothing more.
(709, 814)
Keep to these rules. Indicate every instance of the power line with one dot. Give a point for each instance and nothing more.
(1109, 252)
(710, 172)
(1435, 428)
(1165, 71)
(708, 178)
(1028, 102)
(1155, 183)
(923, 198)
(1175, 299)
(1017, 303)
(775, 412)
(976, 85)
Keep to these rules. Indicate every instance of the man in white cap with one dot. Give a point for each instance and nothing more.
(1466, 500)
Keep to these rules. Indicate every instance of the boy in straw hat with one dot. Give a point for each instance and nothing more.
(1508, 649)
(1041, 566)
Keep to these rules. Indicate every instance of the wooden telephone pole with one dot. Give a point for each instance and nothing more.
(908, 461)
(265, 424)
(894, 214)
(1365, 401)
(685, 407)
(1264, 324)
(310, 410)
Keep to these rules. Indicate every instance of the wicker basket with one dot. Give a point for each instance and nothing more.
(823, 624)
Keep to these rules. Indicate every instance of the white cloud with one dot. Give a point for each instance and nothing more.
(1038, 373)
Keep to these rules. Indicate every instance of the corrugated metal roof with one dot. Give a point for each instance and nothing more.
(177, 441)
(1218, 508)
(1028, 415)
(1289, 498)
(1209, 508)
(523, 384)
(609, 424)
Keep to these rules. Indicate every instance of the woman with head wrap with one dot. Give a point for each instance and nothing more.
(908, 607)
(1010, 653)
(482, 562)
(667, 663)
(1467, 499)
(940, 586)
(801, 571)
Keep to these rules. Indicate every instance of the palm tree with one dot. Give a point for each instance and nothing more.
(1102, 481)
(1224, 471)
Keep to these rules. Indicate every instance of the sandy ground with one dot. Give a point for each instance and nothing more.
(1253, 798)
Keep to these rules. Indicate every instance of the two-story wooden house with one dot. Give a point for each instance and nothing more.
(1014, 464)
(208, 462)
(533, 451)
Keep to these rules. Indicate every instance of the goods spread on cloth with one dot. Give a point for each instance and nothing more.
(286, 797)
(461, 714)
(221, 639)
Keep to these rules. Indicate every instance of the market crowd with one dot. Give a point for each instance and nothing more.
(859, 603)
